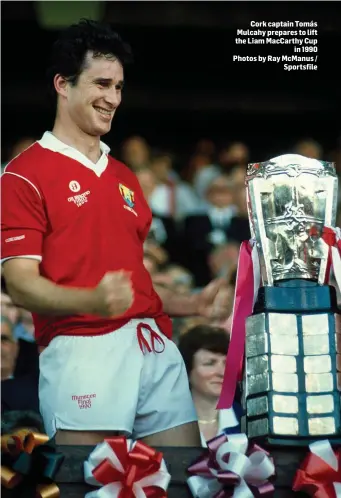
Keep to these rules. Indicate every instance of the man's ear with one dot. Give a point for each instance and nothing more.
(61, 85)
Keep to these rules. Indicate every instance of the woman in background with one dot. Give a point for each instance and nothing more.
(204, 349)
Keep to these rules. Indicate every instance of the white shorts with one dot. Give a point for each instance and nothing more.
(106, 383)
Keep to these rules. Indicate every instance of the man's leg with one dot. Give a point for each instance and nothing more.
(165, 414)
(81, 400)
(83, 438)
(182, 435)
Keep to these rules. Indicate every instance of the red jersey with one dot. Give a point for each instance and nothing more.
(80, 220)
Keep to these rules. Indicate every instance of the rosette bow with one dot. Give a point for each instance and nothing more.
(231, 467)
(320, 472)
(30, 463)
(126, 469)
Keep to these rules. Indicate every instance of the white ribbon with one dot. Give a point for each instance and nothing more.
(324, 450)
(257, 467)
(256, 270)
(337, 488)
(103, 451)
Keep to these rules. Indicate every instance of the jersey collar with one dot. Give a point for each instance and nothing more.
(49, 141)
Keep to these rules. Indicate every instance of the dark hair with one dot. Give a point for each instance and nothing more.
(68, 55)
(18, 419)
(214, 339)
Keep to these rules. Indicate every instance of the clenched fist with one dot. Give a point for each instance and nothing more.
(114, 294)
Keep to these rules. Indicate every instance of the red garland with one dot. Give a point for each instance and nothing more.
(316, 477)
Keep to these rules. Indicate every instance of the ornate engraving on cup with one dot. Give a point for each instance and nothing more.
(290, 199)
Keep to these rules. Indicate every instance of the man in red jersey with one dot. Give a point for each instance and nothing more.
(74, 221)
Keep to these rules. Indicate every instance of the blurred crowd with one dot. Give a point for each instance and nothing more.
(199, 220)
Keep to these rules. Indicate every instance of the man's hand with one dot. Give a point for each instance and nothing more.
(213, 300)
(114, 294)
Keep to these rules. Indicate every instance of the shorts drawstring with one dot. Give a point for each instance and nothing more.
(154, 338)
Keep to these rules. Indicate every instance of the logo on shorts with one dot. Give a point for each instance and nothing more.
(84, 401)
(128, 196)
(74, 186)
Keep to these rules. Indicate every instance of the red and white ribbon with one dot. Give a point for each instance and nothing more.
(332, 237)
(232, 469)
(246, 291)
(320, 472)
(126, 469)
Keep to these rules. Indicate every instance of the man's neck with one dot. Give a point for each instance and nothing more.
(73, 136)
(205, 407)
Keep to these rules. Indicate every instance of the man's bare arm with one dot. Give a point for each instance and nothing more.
(37, 294)
(177, 305)
(211, 302)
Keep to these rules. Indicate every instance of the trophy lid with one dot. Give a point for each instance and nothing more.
(291, 165)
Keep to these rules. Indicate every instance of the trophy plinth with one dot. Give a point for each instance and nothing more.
(292, 380)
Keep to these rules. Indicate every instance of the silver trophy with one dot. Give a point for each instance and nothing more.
(291, 392)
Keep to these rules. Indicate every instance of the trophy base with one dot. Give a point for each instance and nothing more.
(276, 441)
(296, 296)
(291, 388)
(290, 441)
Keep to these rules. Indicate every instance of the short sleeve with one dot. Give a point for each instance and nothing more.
(23, 222)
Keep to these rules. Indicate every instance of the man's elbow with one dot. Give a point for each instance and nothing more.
(17, 293)
(19, 276)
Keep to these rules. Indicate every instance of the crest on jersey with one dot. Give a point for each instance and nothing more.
(74, 186)
(127, 194)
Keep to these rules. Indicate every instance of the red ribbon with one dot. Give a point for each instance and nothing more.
(315, 477)
(329, 237)
(243, 307)
(140, 462)
(154, 336)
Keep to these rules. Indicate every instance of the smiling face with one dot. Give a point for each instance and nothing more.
(207, 373)
(91, 103)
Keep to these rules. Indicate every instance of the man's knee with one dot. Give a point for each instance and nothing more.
(84, 438)
(182, 435)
